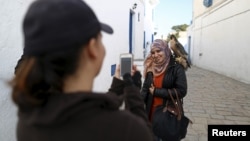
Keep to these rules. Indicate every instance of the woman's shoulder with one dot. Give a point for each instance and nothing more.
(178, 63)
(175, 64)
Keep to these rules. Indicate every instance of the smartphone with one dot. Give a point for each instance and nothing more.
(126, 63)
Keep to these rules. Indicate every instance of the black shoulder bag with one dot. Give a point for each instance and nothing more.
(169, 122)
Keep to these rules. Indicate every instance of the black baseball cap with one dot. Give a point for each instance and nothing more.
(51, 25)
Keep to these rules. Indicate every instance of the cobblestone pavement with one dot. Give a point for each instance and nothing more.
(214, 99)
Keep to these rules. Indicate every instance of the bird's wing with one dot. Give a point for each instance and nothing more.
(180, 53)
(181, 48)
(177, 49)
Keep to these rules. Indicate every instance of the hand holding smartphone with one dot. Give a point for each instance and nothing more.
(126, 63)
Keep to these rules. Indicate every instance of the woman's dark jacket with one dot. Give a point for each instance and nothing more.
(87, 116)
(175, 77)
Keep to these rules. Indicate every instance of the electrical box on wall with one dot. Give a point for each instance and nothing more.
(207, 3)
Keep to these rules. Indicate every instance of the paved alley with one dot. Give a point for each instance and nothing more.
(214, 99)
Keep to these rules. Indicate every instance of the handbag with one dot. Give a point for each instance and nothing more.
(169, 122)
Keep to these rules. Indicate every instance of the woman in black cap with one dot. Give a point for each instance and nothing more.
(63, 53)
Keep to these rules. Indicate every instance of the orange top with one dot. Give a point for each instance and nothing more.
(156, 100)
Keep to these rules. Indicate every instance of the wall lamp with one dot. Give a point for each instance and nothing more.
(134, 6)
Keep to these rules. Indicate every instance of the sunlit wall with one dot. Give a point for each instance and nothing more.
(220, 38)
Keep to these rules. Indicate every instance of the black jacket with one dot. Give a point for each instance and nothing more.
(87, 116)
(175, 77)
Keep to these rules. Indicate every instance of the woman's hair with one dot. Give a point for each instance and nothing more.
(39, 76)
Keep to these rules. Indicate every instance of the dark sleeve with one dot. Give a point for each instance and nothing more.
(145, 90)
(134, 103)
(146, 85)
(180, 85)
(144, 93)
(117, 86)
(133, 100)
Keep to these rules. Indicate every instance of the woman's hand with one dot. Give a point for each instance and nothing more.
(151, 89)
(135, 76)
(118, 70)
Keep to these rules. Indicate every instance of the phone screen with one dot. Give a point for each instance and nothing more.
(126, 65)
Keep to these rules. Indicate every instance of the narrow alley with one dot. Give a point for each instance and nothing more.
(214, 99)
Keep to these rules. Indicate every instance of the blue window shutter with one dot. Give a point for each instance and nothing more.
(207, 3)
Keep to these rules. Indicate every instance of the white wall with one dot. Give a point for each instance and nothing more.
(220, 39)
(149, 25)
(116, 14)
(112, 12)
(11, 14)
(139, 30)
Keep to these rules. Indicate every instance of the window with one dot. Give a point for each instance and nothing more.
(207, 3)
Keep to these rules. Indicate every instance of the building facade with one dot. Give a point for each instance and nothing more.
(218, 37)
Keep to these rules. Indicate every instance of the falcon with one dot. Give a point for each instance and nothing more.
(180, 53)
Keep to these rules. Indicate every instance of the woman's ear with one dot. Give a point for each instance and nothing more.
(92, 48)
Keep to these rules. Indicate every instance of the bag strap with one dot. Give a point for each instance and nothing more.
(181, 106)
(176, 104)
(178, 100)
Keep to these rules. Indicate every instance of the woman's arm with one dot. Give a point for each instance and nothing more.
(146, 85)
(134, 102)
(131, 92)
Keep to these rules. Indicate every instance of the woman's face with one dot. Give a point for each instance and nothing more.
(158, 55)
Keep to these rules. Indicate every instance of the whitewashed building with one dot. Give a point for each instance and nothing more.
(219, 37)
(133, 30)
(149, 25)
